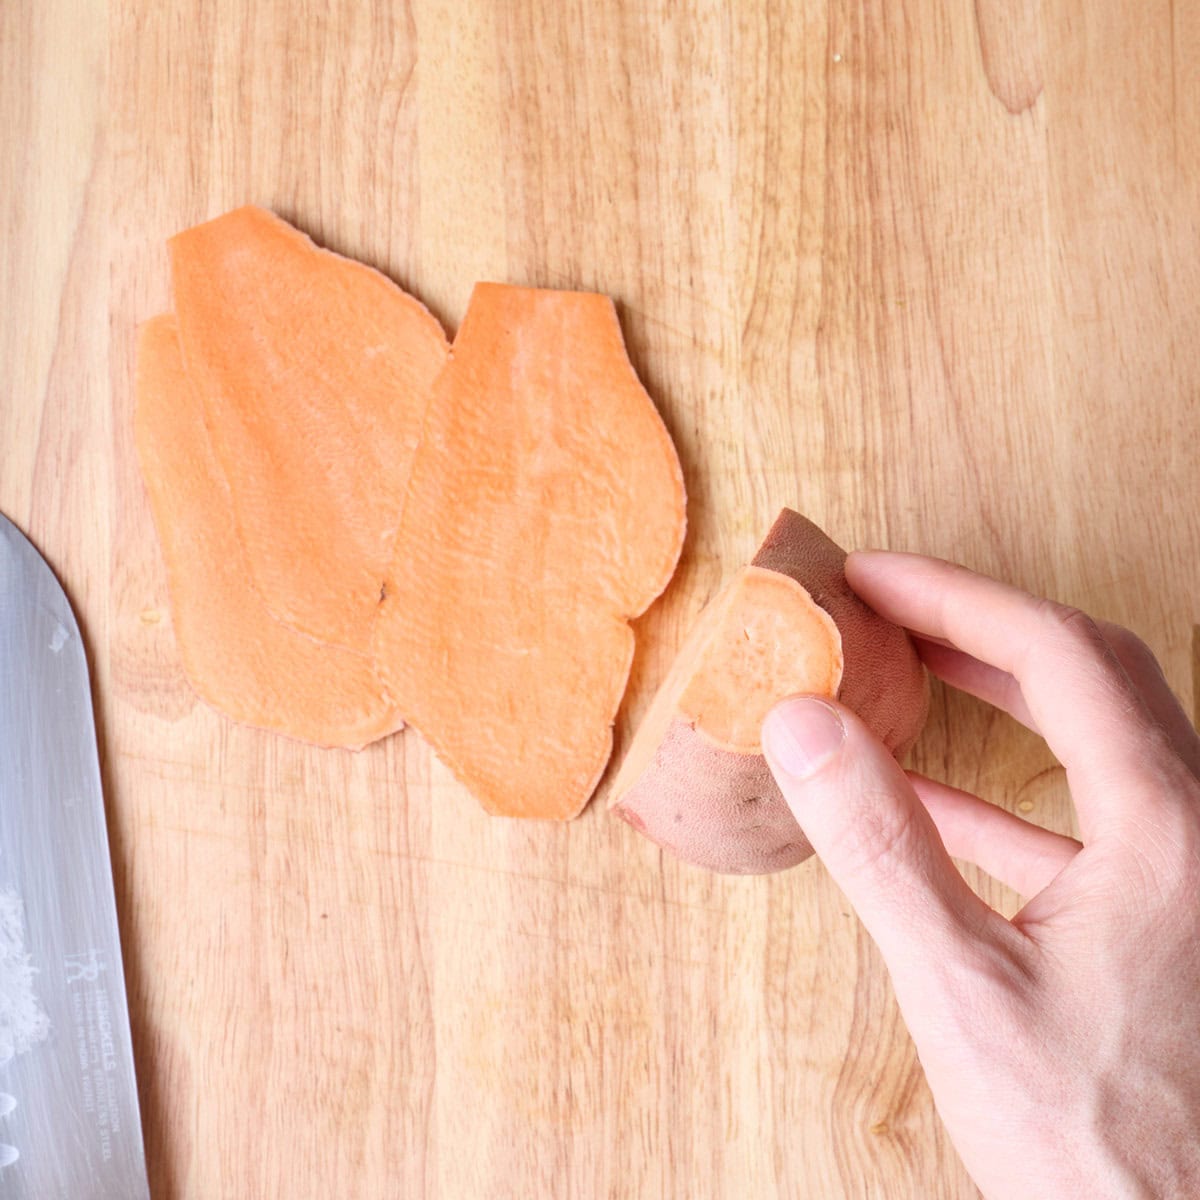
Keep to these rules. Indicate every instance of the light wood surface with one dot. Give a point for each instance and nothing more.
(926, 271)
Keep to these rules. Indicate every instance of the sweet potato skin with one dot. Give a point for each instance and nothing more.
(722, 810)
(713, 808)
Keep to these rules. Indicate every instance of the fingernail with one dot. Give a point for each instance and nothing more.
(800, 736)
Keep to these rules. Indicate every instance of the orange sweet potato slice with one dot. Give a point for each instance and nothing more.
(467, 531)
(235, 654)
(545, 509)
(314, 372)
(694, 779)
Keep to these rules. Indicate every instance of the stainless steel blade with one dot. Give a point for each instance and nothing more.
(75, 1126)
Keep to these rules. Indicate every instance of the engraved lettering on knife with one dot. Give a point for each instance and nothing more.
(96, 1050)
(83, 966)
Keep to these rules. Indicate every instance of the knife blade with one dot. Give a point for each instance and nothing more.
(70, 1128)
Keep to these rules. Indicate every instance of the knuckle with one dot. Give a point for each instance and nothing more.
(1072, 621)
(878, 833)
(1124, 641)
(1169, 845)
(1130, 650)
(1152, 867)
(1069, 627)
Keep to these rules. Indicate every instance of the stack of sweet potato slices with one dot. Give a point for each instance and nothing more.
(365, 524)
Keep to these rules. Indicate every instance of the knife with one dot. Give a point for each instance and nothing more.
(69, 1122)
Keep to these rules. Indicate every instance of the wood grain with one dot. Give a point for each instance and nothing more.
(925, 271)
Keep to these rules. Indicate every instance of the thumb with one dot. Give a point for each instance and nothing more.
(865, 821)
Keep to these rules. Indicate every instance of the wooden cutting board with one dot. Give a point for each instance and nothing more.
(927, 272)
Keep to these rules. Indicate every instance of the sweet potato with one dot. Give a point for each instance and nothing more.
(694, 779)
(236, 655)
(545, 510)
(465, 531)
(314, 372)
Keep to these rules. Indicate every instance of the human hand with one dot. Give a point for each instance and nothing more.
(1062, 1047)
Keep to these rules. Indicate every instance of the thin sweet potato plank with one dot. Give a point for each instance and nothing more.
(545, 510)
(314, 371)
(236, 655)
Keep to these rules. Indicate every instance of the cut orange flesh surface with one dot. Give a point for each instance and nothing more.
(314, 372)
(770, 640)
(236, 656)
(545, 510)
(761, 639)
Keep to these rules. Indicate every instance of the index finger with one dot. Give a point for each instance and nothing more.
(1094, 719)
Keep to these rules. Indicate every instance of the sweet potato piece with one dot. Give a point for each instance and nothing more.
(314, 372)
(694, 779)
(482, 521)
(236, 656)
(545, 509)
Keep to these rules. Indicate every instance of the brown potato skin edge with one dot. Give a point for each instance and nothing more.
(713, 807)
